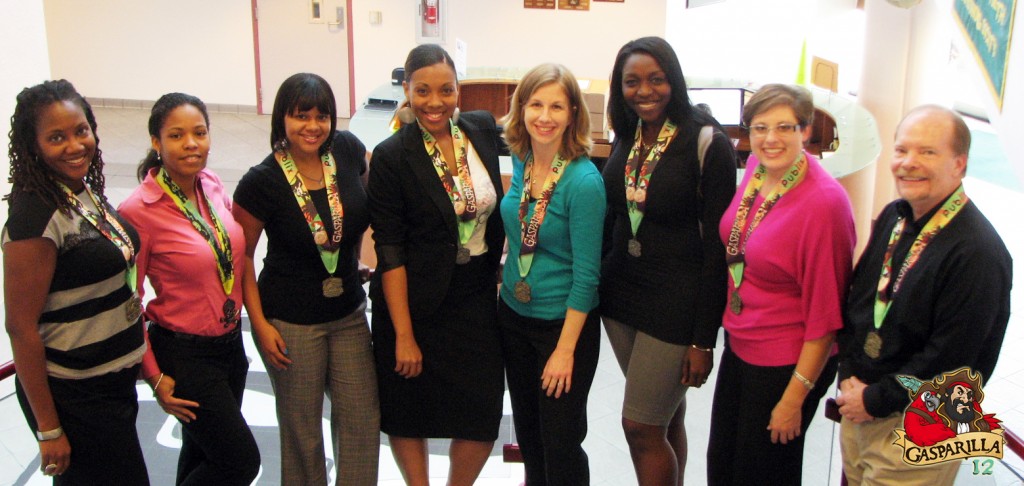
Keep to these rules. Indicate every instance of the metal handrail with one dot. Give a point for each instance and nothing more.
(6, 370)
(1013, 441)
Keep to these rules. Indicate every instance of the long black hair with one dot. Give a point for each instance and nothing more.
(301, 92)
(157, 116)
(28, 172)
(622, 118)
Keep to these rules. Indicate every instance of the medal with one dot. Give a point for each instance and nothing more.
(640, 163)
(461, 195)
(133, 309)
(232, 315)
(634, 247)
(640, 195)
(320, 237)
(529, 230)
(462, 256)
(873, 345)
(333, 287)
(522, 291)
(327, 244)
(736, 248)
(735, 303)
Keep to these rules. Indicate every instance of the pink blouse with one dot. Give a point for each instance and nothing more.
(179, 262)
(798, 266)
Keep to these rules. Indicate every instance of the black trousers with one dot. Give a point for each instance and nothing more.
(740, 449)
(217, 447)
(550, 430)
(98, 416)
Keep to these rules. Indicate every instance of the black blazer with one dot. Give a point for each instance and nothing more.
(414, 223)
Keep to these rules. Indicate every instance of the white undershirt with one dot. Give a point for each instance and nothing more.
(486, 200)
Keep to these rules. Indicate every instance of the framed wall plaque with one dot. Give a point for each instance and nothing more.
(574, 4)
(539, 4)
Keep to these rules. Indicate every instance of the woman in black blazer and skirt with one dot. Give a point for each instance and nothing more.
(433, 192)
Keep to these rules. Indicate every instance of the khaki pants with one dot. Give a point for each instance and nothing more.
(871, 458)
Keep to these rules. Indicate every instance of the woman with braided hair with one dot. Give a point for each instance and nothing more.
(72, 309)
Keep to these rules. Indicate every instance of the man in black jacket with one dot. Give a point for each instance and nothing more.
(930, 294)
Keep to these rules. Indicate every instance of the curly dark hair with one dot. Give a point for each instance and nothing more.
(28, 172)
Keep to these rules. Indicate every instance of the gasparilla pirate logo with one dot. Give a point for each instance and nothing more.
(944, 421)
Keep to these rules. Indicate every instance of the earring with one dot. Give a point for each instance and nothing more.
(455, 116)
(406, 115)
(158, 156)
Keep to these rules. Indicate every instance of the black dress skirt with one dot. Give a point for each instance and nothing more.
(459, 393)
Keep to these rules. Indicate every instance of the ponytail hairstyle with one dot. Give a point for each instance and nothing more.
(157, 117)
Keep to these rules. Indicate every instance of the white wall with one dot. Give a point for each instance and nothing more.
(22, 45)
(503, 33)
(140, 50)
(760, 41)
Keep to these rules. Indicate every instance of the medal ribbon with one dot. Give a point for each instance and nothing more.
(950, 208)
(636, 185)
(734, 251)
(328, 248)
(530, 231)
(112, 230)
(217, 236)
(464, 202)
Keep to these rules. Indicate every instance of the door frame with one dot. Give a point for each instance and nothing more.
(351, 61)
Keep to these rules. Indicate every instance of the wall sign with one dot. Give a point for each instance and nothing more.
(987, 26)
(574, 4)
(539, 4)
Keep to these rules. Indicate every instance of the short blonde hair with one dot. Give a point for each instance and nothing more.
(576, 139)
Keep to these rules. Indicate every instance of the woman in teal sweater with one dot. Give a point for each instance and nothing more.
(553, 215)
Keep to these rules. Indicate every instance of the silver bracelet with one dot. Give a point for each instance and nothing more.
(49, 434)
(158, 383)
(698, 348)
(808, 384)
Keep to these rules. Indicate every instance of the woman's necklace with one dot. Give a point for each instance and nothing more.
(314, 179)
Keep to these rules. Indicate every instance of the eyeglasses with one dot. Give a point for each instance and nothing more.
(781, 128)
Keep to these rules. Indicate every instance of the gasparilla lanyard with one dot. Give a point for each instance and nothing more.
(463, 201)
(529, 230)
(327, 247)
(950, 208)
(736, 247)
(217, 237)
(637, 182)
(111, 230)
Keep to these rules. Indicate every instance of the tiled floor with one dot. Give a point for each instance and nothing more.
(240, 141)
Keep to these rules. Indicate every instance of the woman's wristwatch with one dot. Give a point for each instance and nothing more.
(50, 434)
